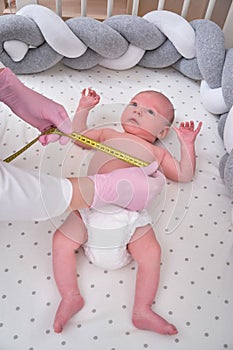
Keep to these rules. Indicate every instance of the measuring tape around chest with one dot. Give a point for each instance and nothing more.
(86, 141)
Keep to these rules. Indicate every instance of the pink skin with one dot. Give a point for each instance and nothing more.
(89, 99)
(64, 264)
(139, 116)
(146, 118)
(187, 132)
(147, 281)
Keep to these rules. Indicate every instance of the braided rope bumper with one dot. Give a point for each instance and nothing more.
(157, 40)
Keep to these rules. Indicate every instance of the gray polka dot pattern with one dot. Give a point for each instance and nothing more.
(192, 223)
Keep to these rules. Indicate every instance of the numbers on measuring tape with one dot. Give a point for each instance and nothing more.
(87, 141)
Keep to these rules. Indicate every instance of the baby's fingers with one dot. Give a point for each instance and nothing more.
(187, 125)
(91, 92)
(198, 128)
(83, 93)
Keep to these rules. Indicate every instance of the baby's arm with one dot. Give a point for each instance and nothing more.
(184, 169)
(87, 101)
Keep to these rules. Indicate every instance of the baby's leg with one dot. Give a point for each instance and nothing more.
(146, 252)
(64, 267)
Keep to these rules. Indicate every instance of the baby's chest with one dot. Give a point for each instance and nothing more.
(102, 162)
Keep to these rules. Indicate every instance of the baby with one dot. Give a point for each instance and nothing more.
(113, 236)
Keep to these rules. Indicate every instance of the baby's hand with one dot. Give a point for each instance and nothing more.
(89, 99)
(186, 131)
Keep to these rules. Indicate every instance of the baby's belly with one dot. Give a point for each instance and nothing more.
(102, 163)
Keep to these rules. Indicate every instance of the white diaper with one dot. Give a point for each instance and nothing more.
(109, 231)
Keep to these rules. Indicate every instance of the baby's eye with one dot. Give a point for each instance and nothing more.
(151, 112)
(133, 104)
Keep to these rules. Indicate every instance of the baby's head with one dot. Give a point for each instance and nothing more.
(149, 115)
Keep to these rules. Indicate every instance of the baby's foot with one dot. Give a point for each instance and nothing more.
(67, 308)
(149, 320)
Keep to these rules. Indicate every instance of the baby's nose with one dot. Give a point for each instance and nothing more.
(139, 110)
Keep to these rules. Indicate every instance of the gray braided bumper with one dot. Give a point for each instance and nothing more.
(159, 39)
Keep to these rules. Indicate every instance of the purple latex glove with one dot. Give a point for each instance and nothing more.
(34, 108)
(132, 188)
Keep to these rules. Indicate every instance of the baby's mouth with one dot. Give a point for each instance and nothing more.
(133, 121)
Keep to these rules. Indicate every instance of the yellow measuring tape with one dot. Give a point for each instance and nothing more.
(86, 141)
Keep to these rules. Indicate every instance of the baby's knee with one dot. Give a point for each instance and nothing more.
(155, 250)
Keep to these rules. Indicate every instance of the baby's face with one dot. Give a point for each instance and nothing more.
(143, 116)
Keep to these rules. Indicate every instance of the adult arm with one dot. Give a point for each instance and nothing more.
(32, 107)
(29, 195)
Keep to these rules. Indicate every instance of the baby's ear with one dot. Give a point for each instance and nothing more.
(163, 133)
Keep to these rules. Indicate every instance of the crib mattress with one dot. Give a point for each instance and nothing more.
(192, 223)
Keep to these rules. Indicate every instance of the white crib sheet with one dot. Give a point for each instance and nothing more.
(192, 223)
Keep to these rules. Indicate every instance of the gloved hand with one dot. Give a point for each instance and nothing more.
(34, 108)
(132, 188)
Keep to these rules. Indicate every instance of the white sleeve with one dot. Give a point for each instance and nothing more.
(29, 195)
